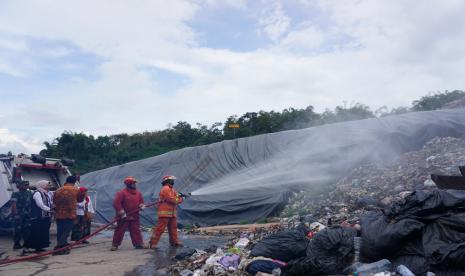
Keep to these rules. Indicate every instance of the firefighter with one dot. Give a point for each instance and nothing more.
(167, 204)
(127, 204)
(21, 202)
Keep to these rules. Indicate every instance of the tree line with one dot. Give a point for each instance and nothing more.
(93, 153)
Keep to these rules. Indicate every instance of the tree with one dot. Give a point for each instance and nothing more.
(437, 100)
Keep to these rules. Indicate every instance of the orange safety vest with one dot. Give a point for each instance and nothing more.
(168, 201)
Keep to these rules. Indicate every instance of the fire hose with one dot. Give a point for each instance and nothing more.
(71, 245)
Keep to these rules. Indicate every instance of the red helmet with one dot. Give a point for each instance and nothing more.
(83, 189)
(130, 180)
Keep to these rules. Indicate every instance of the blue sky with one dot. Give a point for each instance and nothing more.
(108, 67)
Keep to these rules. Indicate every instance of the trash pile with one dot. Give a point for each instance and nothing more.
(381, 219)
(372, 186)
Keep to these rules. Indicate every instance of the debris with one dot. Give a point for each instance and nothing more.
(230, 262)
(404, 271)
(184, 253)
(187, 272)
(376, 267)
(242, 243)
(412, 213)
(264, 266)
(365, 187)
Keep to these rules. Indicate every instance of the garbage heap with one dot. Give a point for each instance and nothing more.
(377, 185)
(382, 219)
(423, 234)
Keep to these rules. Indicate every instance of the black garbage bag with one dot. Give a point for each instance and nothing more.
(425, 232)
(284, 245)
(184, 253)
(382, 238)
(444, 241)
(428, 205)
(329, 252)
(418, 264)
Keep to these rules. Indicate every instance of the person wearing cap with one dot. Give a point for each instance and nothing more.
(65, 201)
(84, 213)
(127, 204)
(21, 209)
(168, 201)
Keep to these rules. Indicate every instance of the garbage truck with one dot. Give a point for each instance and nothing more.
(31, 168)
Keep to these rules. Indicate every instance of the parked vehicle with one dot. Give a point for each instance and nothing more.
(17, 168)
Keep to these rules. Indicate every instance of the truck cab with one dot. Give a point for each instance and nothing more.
(17, 168)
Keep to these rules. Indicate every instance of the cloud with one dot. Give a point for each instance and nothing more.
(319, 53)
(10, 70)
(274, 21)
(11, 142)
(239, 4)
(18, 45)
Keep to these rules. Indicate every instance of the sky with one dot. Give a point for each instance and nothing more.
(106, 67)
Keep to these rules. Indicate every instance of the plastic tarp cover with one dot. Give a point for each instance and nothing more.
(283, 246)
(247, 179)
(328, 253)
(436, 242)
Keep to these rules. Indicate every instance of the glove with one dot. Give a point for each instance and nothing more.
(122, 214)
(142, 206)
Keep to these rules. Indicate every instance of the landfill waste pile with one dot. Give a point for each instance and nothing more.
(375, 185)
(422, 234)
(455, 104)
(251, 178)
(381, 219)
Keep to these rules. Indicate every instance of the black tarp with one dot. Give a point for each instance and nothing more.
(247, 179)
(425, 232)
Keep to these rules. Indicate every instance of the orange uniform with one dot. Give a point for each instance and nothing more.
(168, 201)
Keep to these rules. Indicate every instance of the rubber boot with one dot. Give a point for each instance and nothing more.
(17, 246)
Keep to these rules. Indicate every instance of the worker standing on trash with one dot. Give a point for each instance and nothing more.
(127, 204)
(168, 201)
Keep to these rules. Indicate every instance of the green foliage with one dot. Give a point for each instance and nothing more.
(437, 100)
(94, 153)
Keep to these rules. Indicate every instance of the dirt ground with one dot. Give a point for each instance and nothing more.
(92, 259)
(97, 259)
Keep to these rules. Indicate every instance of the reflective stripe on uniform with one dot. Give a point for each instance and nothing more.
(166, 212)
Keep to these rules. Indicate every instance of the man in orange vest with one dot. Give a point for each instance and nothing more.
(168, 201)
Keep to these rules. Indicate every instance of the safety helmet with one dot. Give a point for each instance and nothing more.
(130, 180)
(168, 179)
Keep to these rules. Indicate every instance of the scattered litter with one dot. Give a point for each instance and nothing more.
(242, 243)
(378, 220)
